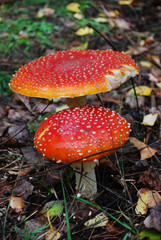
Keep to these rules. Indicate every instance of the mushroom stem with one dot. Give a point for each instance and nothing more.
(76, 101)
(86, 183)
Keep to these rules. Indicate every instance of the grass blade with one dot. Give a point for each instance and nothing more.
(110, 215)
(66, 212)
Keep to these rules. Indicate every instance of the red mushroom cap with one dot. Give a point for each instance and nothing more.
(81, 131)
(74, 73)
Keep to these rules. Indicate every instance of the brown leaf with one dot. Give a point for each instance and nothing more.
(147, 199)
(136, 50)
(151, 178)
(23, 189)
(146, 151)
(154, 219)
(3, 111)
(17, 204)
(25, 100)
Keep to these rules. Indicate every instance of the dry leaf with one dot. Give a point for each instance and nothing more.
(147, 199)
(45, 12)
(146, 151)
(141, 90)
(52, 235)
(136, 50)
(150, 119)
(146, 64)
(78, 16)
(23, 35)
(156, 59)
(84, 31)
(101, 20)
(99, 220)
(113, 13)
(159, 84)
(74, 7)
(121, 23)
(154, 219)
(125, 2)
(17, 204)
(152, 77)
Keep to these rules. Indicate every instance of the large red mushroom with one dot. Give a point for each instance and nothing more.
(78, 132)
(74, 74)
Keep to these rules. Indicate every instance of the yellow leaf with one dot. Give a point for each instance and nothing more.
(125, 2)
(99, 220)
(150, 119)
(147, 199)
(146, 64)
(73, 7)
(84, 31)
(141, 90)
(113, 13)
(146, 151)
(83, 46)
(52, 235)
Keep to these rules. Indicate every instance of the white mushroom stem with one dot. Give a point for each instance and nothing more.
(86, 183)
(76, 101)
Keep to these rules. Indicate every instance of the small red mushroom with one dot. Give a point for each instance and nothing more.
(73, 74)
(78, 132)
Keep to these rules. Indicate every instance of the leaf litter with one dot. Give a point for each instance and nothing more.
(38, 180)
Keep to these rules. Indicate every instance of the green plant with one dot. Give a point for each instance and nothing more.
(25, 233)
(32, 126)
(4, 81)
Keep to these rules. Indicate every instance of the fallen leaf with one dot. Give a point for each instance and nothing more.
(150, 119)
(146, 64)
(159, 84)
(150, 235)
(23, 35)
(74, 7)
(113, 13)
(3, 111)
(141, 90)
(149, 39)
(101, 20)
(83, 46)
(125, 2)
(17, 204)
(52, 235)
(121, 23)
(152, 77)
(46, 11)
(84, 31)
(147, 199)
(151, 178)
(78, 16)
(131, 100)
(99, 220)
(54, 208)
(146, 151)
(24, 188)
(136, 50)
(154, 219)
(64, 106)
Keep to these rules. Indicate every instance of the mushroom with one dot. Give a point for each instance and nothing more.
(74, 74)
(80, 133)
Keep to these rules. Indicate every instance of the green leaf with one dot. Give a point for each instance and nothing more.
(56, 209)
(151, 235)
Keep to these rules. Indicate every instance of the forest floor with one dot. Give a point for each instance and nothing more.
(128, 202)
